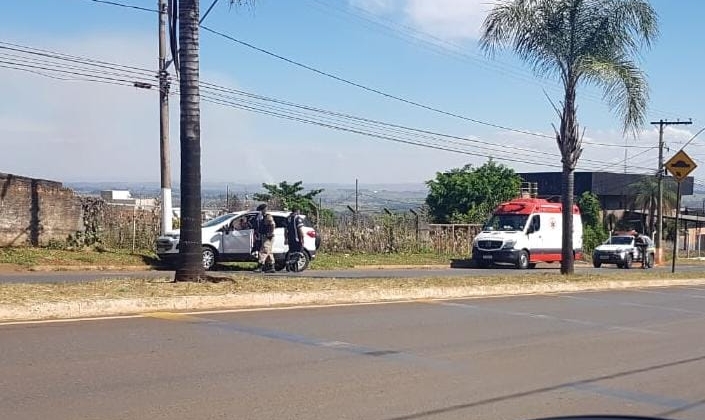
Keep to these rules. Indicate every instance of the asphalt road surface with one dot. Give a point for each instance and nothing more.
(638, 352)
(78, 276)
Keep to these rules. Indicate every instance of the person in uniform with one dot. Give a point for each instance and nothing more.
(265, 233)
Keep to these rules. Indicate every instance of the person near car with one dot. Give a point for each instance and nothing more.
(295, 230)
(641, 245)
(257, 225)
(266, 237)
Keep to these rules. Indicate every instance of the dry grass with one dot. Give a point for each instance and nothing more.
(36, 294)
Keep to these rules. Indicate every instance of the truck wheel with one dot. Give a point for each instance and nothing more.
(523, 260)
(208, 258)
(532, 265)
(596, 264)
(628, 261)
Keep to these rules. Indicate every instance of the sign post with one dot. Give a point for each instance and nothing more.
(680, 165)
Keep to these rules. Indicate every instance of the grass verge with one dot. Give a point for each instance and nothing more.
(31, 294)
(29, 257)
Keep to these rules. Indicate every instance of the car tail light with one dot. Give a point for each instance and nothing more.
(311, 233)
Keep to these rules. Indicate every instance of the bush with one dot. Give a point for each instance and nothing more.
(592, 237)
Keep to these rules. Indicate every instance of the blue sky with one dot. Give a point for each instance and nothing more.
(415, 49)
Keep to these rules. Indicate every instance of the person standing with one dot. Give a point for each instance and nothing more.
(294, 230)
(265, 233)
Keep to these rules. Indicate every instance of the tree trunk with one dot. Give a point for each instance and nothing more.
(190, 266)
(569, 143)
(567, 188)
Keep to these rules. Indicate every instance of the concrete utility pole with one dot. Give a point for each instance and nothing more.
(660, 173)
(165, 162)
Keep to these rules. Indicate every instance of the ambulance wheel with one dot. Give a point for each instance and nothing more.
(522, 262)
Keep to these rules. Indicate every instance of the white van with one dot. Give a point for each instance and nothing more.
(223, 242)
(523, 232)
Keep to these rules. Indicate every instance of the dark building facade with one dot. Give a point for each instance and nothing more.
(615, 190)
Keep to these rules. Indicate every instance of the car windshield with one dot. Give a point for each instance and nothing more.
(506, 222)
(218, 220)
(619, 240)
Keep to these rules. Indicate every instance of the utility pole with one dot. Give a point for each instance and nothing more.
(164, 156)
(659, 174)
(356, 195)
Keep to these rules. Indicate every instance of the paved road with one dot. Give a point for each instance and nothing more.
(631, 352)
(77, 276)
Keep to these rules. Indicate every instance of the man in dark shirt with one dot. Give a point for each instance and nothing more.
(641, 245)
(294, 230)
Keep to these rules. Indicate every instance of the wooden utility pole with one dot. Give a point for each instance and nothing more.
(165, 162)
(659, 174)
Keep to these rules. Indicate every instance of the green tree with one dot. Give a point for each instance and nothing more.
(190, 267)
(287, 195)
(645, 198)
(468, 195)
(580, 41)
(594, 232)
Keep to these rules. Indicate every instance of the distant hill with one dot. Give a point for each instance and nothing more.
(371, 197)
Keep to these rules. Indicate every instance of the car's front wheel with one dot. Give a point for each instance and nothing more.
(208, 258)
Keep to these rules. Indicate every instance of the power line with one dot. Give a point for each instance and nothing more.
(127, 6)
(369, 89)
(378, 91)
(368, 127)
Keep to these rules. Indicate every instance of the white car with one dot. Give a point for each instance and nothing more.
(223, 242)
(622, 251)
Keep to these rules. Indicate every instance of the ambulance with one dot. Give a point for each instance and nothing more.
(524, 232)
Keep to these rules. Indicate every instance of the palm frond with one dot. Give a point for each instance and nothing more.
(624, 86)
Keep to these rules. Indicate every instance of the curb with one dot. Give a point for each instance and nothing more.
(400, 266)
(48, 268)
(254, 301)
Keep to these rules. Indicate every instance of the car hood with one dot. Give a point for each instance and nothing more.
(497, 235)
(176, 233)
(613, 247)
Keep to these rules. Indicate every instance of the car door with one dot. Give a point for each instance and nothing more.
(237, 241)
(535, 235)
(278, 245)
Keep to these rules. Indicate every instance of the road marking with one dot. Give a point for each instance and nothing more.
(172, 316)
(636, 305)
(636, 396)
(653, 292)
(69, 320)
(548, 317)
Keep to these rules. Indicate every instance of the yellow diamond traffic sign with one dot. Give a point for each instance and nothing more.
(680, 165)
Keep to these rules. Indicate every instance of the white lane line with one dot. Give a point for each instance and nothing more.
(653, 292)
(548, 317)
(633, 304)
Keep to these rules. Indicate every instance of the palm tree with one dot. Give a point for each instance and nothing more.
(190, 267)
(645, 198)
(580, 41)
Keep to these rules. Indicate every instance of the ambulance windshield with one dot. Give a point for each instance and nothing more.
(506, 222)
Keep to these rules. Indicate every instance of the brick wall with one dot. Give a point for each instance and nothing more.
(34, 211)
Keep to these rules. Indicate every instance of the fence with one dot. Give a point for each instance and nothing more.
(125, 227)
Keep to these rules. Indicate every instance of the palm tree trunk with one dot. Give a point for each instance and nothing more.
(569, 143)
(190, 267)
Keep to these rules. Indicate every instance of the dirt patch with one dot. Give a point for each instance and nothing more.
(11, 268)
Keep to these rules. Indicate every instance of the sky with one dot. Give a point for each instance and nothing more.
(392, 53)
